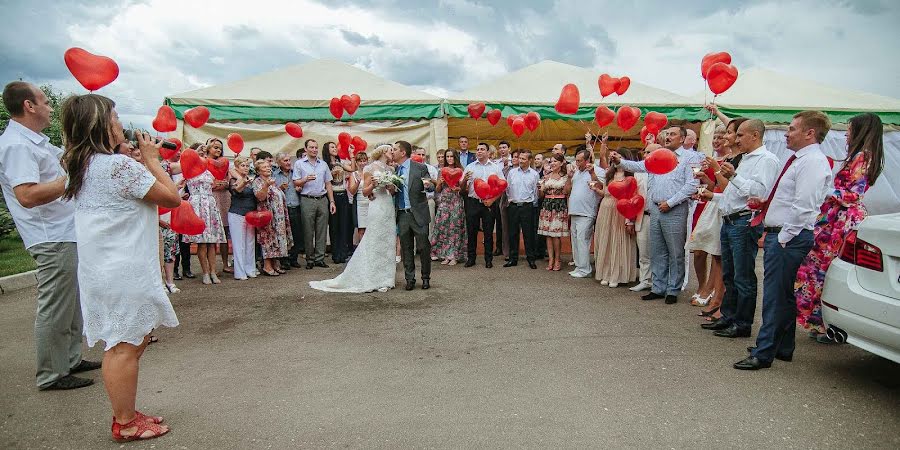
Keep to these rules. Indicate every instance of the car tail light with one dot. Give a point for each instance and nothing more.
(861, 253)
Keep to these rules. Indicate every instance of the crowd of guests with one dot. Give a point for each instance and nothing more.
(68, 205)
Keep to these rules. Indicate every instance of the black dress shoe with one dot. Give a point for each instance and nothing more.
(652, 296)
(752, 363)
(410, 285)
(671, 299)
(295, 264)
(85, 366)
(321, 264)
(309, 266)
(511, 264)
(470, 263)
(68, 382)
(720, 324)
(189, 275)
(732, 332)
(532, 265)
(426, 283)
(488, 265)
(778, 357)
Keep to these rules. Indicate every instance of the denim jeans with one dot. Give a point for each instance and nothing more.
(739, 250)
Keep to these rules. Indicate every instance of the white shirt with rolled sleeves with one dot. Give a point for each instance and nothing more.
(522, 185)
(482, 171)
(755, 176)
(28, 157)
(674, 187)
(302, 168)
(800, 193)
(433, 173)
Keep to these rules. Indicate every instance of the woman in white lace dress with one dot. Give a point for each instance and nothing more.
(372, 266)
(116, 226)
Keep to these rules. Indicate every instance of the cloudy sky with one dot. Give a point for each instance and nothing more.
(169, 46)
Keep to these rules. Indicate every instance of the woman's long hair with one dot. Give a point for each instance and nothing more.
(866, 135)
(455, 155)
(86, 129)
(221, 146)
(626, 153)
(326, 154)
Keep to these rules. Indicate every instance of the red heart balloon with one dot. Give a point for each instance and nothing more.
(608, 85)
(625, 188)
(350, 103)
(569, 99)
(493, 116)
(196, 116)
(644, 133)
(192, 164)
(655, 121)
(721, 77)
(218, 167)
(165, 119)
(630, 208)
(476, 110)
(293, 129)
(235, 142)
(168, 154)
(482, 189)
(336, 108)
(661, 161)
(627, 117)
(418, 158)
(624, 84)
(452, 175)
(511, 118)
(532, 120)
(518, 126)
(359, 145)
(344, 141)
(712, 58)
(258, 219)
(604, 116)
(497, 185)
(162, 210)
(92, 71)
(185, 220)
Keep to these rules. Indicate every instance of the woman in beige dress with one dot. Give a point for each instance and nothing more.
(615, 251)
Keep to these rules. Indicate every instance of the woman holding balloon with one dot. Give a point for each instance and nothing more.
(206, 207)
(221, 192)
(448, 237)
(615, 251)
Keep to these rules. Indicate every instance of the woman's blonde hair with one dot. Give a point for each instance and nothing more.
(379, 151)
(241, 160)
(259, 163)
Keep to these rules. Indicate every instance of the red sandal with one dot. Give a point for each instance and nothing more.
(154, 419)
(141, 424)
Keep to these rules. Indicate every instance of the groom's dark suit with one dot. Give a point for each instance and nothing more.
(413, 219)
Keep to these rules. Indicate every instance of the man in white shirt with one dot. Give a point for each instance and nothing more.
(312, 179)
(789, 216)
(479, 212)
(33, 182)
(433, 174)
(754, 177)
(521, 193)
(583, 204)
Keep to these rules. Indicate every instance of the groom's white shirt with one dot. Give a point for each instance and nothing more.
(405, 177)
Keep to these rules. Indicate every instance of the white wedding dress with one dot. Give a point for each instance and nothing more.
(373, 265)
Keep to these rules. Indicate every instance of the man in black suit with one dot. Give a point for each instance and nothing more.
(413, 216)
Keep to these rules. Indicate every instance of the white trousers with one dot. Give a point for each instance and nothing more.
(243, 240)
(644, 250)
(582, 231)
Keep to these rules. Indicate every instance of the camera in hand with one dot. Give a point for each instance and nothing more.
(131, 136)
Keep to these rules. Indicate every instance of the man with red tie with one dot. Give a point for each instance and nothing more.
(789, 215)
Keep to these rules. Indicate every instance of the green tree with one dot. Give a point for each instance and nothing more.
(54, 131)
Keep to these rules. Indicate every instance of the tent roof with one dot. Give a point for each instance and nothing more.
(541, 83)
(311, 84)
(764, 89)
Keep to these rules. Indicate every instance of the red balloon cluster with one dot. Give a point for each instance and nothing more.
(712, 58)
(92, 71)
(165, 119)
(345, 140)
(609, 85)
(338, 105)
(452, 175)
(476, 110)
(192, 164)
(494, 116)
(661, 161)
(294, 130)
(625, 188)
(258, 219)
(630, 208)
(718, 72)
(569, 99)
(197, 116)
(627, 117)
(493, 187)
(185, 220)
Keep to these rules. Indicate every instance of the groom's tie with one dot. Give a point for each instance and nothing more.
(401, 198)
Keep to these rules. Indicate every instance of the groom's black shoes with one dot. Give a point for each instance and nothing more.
(470, 263)
(426, 284)
(511, 264)
(488, 264)
(410, 285)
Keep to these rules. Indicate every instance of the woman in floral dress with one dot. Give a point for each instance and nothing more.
(274, 238)
(842, 212)
(222, 193)
(554, 220)
(448, 237)
(207, 209)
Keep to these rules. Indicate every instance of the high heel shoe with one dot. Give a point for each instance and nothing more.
(702, 301)
(708, 313)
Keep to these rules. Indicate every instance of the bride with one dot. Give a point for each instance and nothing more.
(372, 266)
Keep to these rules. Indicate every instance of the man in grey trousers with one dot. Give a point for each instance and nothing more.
(33, 181)
(313, 178)
(412, 215)
(668, 194)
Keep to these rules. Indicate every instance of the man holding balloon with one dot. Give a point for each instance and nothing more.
(479, 211)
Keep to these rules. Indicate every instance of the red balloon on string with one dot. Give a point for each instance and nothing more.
(218, 167)
(258, 219)
(476, 110)
(192, 164)
(359, 145)
(721, 77)
(532, 120)
(336, 108)
(497, 185)
(608, 85)
(627, 117)
(604, 116)
(630, 208)
(293, 129)
(625, 188)
(185, 220)
(344, 141)
(482, 189)
(518, 126)
(164, 121)
(624, 84)
(569, 99)
(92, 71)
(712, 58)
(196, 116)
(235, 142)
(661, 161)
(655, 121)
(452, 175)
(350, 103)
(493, 116)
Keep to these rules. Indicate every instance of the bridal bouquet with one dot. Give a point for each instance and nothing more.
(383, 179)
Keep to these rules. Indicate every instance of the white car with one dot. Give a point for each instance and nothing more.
(861, 297)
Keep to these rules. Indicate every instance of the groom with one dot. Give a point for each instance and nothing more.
(413, 217)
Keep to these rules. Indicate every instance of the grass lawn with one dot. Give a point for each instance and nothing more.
(13, 257)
